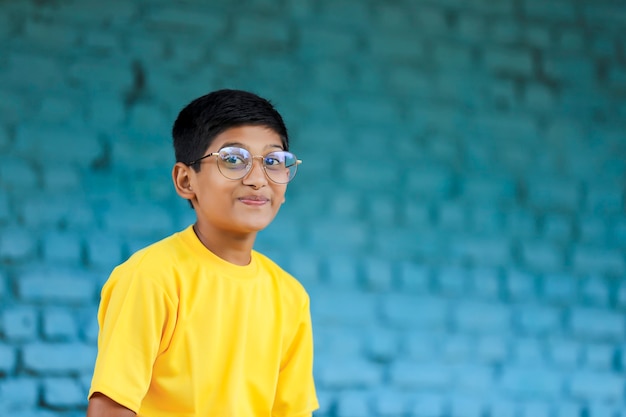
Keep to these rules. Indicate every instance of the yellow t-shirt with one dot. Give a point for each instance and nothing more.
(184, 333)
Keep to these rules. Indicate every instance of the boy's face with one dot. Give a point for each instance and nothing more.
(240, 206)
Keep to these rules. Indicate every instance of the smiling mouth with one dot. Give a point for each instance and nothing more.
(254, 200)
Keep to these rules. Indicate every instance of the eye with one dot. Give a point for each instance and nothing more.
(273, 160)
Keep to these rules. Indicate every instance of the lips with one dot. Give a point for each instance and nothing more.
(254, 200)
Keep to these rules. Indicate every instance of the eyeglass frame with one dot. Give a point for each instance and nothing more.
(252, 157)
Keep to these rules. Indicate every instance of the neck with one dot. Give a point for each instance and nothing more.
(236, 249)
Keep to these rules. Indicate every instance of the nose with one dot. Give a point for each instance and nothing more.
(256, 176)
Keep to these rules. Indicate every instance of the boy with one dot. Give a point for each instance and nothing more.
(200, 324)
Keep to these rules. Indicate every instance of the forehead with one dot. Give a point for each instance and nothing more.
(248, 137)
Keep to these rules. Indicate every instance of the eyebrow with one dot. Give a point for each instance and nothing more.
(241, 145)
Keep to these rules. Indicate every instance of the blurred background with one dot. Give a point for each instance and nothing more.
(459, 219)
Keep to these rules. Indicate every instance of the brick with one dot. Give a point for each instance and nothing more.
(33, 71)
(332, 76)
(481, 317)
(466, 406)
(381, 345)
(63, 392)
(509, 61)
(347, 307)
(57, 358)
(366, 109)
(542, 256)
(4, 291)
(595, 323)
(503, 408)
(388, 403)
(62, 247)
(452, 216)
(561, 11)
(595, 291)
(344, 204)
(553, 194)
(532, 382)
(332, 338)
(415, 311)
(138, 219)
(472, 27)
(50, 285)
(428, 405)
(558, 228)
(598, 386)
(538, 319)
(604, 199)
(20, 323)
(341, 271)
(420, 345)
(415, 278)
(59, 324)
(420, 376)
(474, 378)
(103, 250)
(382, 210)
(570, 70)
(486, 282)
(337, 42)
(600, 356)
(348, 373)
(537, 35)
(452, 280)
(102, 76)
(455, 349)
(337, 235)
(535, 409)
(432, 183)
(564, 353)
(598, 260)
(45, 141)
(603, 410)
(592, 230)
(106, 111)
(378, 275)
(147, 118)
(431, 19)
(18, 394)
(353, 404)
(528, 352)
(492, 349)
(558, 288)
(567, 409)
(482, 251)
(8, 361)
(483, 188)
(520, 223)
(506, 31)
(17, 174)
(395, 48)
(60, 178)
(57, 110)
(539, 97)
(415, 214)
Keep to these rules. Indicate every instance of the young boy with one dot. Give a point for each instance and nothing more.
(200, 324)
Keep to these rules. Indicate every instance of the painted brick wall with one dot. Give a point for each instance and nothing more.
(459, 219)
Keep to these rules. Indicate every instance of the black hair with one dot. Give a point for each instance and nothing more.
(204, 118)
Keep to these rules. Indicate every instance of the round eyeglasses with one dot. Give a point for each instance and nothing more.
(235, 163)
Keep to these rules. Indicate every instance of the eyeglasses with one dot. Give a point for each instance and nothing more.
(235, 163)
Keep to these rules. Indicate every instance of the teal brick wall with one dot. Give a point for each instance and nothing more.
(459, 219)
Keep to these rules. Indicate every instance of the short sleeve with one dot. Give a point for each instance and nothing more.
(136, 318)
(295, 394)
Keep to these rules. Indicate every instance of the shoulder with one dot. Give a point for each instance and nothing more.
(288, 285)
(152, 265)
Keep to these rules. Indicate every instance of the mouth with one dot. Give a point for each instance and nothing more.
(254, 200)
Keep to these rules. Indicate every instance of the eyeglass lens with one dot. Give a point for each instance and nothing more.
(234, 163)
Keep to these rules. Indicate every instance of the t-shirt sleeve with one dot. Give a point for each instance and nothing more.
(295, 394)
(136, 319)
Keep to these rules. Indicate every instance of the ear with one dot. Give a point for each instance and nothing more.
(182, 177)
